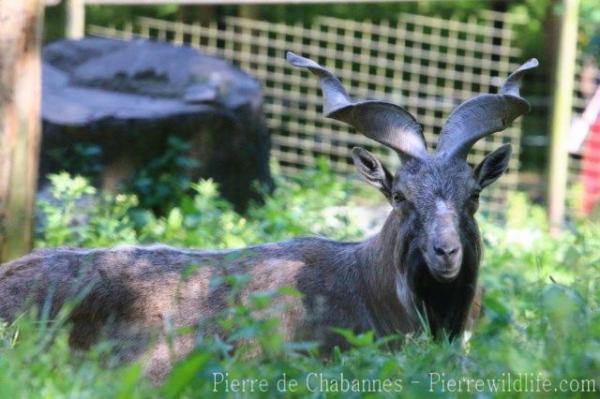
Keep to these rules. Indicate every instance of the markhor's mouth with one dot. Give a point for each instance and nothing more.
(439, 271)
(446, 275)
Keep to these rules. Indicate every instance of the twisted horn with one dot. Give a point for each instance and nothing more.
(483, 115)
(381, 121)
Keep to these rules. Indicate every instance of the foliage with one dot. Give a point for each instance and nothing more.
(590, 28)
(160, 182)
(121, 15)
(534, 27)
(368, 11)
(82, 158)
(54, 22)
(541, 306)
(531, 12)
(76, 216)
(35, 362)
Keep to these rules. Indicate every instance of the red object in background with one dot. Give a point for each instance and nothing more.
(590, 169)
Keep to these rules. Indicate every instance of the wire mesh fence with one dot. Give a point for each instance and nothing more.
(426, 64)
(538, 140)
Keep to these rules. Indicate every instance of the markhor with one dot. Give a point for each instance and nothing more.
(317, 382)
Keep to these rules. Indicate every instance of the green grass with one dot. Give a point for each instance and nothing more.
(541, 308)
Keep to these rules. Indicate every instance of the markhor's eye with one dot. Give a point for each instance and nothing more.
(475, 196)
(398, 197)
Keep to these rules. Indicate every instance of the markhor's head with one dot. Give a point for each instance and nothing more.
(436, 194)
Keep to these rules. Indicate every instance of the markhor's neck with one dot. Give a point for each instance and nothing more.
(384, 286)
(397, 286)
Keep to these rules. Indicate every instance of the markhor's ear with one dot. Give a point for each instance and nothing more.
(373, 171)
(493, 165)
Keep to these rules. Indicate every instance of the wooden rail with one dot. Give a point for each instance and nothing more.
(561, 113)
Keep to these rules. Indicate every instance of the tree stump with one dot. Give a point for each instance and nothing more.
(129, 97)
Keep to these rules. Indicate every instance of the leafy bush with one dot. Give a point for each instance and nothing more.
(84, 159)
(541, 316)
(76, 215)
(202, 220)
(160, 182)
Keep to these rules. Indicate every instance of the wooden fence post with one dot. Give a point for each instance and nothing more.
(20, 124)
(561, 112)
(75, 21)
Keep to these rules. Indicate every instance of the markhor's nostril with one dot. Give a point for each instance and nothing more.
(445, 251)
(439, 251)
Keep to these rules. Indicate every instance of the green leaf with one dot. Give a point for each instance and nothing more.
(184, 373)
